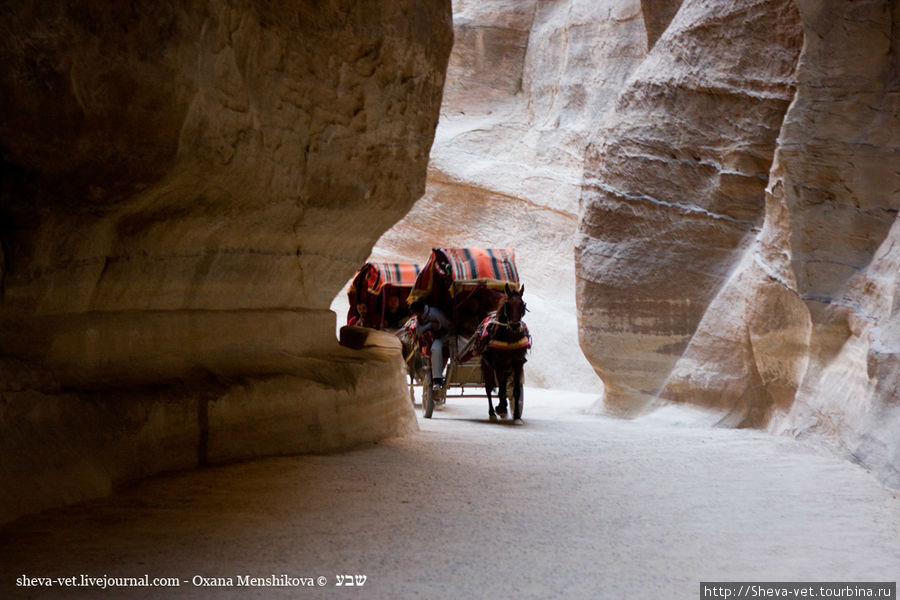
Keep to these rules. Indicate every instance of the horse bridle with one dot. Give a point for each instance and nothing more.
(517, 326)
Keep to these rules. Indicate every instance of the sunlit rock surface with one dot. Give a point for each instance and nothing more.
(185, 188)
(526, 84)
(738, 242)
(675, 183)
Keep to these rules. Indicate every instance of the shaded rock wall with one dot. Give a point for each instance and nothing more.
(185, 188)
(752, 223)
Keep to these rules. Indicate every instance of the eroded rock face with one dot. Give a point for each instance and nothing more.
(185, 188)
(836, 189)
(675, 183)
(756, 235)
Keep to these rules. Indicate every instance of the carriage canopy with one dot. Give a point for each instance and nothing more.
(466, 267)
(373, 287)
(375, 275)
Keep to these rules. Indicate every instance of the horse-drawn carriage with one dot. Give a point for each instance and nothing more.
(378, 297)
(473, 298)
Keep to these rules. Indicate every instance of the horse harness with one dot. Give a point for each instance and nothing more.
(491, 328)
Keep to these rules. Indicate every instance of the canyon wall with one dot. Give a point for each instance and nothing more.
(674, 185)
(737, 245)
(185, 188)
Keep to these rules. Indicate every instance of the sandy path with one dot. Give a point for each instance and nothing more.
(565, 506)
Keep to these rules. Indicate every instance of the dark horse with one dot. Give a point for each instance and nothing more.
(504, 354)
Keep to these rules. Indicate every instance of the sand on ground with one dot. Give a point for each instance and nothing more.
(566, 505)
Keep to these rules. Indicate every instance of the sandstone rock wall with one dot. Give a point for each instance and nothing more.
(185, 188)
(675, 183)
(836, 184)
(737, 245)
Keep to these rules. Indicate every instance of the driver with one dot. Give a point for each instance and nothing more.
(432, 324)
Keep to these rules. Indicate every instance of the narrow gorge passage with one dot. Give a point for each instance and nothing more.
(704, 204)
(568, 505)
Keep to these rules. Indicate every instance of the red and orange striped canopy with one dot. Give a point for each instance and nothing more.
(375, 275)
(493, 267)
(372, 284)
(469, 264)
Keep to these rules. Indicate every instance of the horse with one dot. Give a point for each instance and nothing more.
(412, 355)
(504, 354)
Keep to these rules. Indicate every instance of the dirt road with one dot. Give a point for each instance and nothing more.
(567, 505)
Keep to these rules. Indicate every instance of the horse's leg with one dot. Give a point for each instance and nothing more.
(410, 371)
(517, 391)
(488, 374)
(502, 378)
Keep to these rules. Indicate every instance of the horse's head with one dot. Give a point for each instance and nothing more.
(442, 266)
(513, 308)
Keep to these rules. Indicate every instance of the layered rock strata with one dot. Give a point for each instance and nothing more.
(738, 244)
(185, 188)
(675, 184)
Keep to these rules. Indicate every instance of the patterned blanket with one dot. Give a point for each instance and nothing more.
(410, 337)
(492, 267)
(371, 284)
(485, 337)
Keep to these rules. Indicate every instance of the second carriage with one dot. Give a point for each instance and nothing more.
(466, 285)
(379, 293)
(378, 298)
